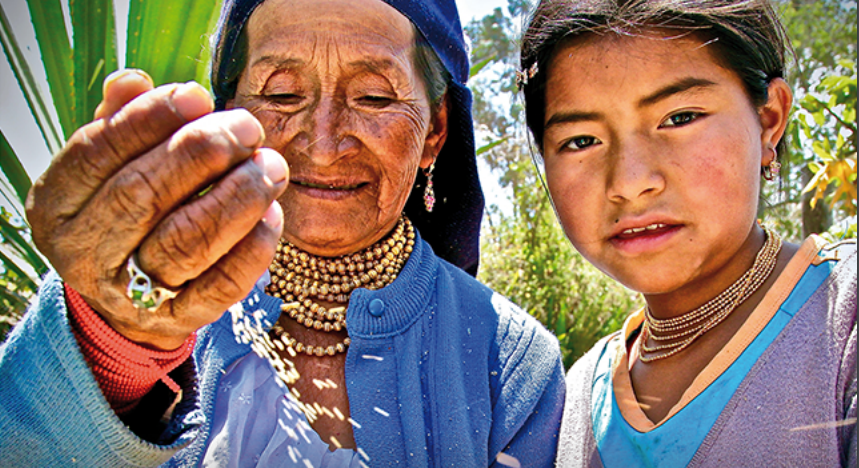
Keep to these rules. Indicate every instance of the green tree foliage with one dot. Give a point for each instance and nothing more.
(822, 137)
(829, 128)
(167, 38)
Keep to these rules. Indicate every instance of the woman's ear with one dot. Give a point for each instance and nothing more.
(774, 117)
(437, 134)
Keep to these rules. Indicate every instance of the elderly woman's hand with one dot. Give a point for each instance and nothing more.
(129, 182)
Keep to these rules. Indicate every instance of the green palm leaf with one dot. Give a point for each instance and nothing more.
(171, 51)
(52, 37)
(32, 93)
(12, 236)
(94, 53)
(14, 171)
(10, 265)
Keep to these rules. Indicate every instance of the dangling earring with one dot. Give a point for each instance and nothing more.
(772, 170)
(429, 193)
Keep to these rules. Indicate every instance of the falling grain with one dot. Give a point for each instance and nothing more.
(825, 425)
(508, 460)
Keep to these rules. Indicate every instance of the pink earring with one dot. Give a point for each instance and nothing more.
(774, 167)
(429, 193)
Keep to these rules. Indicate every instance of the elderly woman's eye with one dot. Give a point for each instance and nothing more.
(287, 99)
(374, 100)
(580, 143)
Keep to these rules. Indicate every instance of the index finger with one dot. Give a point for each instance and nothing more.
(119, 88)
(96, 151)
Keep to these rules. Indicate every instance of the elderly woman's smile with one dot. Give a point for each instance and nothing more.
(331, 187)
(341, 99)
(326, 187)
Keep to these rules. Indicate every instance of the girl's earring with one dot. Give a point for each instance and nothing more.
(772, 170)
(429, 193)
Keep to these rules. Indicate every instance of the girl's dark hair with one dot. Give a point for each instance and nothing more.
(746, 36)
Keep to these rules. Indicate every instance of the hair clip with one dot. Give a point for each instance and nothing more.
(522, 76)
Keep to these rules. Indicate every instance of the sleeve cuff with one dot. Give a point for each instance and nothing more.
(124, 370)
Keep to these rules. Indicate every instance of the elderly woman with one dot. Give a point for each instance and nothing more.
(372, 348)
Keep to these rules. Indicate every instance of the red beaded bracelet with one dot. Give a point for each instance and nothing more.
(124, 370)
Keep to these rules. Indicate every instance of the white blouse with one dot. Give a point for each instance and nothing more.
(255, 424)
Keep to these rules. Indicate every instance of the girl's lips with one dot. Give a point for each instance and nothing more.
(636, 231)
(643, 239)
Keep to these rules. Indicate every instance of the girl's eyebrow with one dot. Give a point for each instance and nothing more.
(680, 86)
(665, 92)
(570, 117)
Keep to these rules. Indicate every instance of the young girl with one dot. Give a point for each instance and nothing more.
(656, 121)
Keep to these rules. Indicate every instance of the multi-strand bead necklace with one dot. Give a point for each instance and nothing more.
(677, 333)
(302, 279)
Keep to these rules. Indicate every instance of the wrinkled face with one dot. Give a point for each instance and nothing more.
(653, 154)
(335, 86)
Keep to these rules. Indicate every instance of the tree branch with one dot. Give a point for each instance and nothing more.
(852, 127)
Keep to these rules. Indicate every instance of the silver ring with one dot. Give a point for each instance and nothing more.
(142, 289)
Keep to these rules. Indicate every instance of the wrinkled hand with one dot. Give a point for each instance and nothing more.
(128, 182)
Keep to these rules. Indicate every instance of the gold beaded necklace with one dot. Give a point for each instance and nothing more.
(691, 325)
(302, 279)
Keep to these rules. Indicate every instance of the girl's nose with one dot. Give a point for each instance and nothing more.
(635, 173)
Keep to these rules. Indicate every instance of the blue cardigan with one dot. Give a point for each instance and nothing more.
(466, 375)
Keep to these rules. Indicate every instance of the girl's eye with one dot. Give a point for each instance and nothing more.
(680, 119)
(580, 143)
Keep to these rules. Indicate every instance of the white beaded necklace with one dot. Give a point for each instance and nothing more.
(693, 324)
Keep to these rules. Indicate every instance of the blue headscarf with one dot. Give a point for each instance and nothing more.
(453, 228)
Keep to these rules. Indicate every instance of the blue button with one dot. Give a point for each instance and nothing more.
(377, 307)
